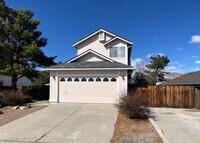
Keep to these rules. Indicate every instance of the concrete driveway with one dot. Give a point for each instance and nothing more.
(178, 125)
(61, 122)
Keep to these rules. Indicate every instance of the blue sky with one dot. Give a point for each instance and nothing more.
(169, 27)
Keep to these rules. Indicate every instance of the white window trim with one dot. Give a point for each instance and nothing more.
(117, 51)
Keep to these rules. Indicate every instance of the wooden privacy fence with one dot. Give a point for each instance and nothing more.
(171, 96)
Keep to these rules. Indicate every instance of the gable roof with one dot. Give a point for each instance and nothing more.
(105, 31)
(89, 51)
(192, 78)
(99, 65)
(90, 35)
(120, 38)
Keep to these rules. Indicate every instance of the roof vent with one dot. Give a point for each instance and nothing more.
(101, 36)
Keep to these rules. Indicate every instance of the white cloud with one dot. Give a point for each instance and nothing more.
(195, 57)
(153, 54)
(195, 69)
(195, 39)
(174, 67)
(169, 68)
(177, 64)
(197, 62)
(148, 56)
(137, 62)
(181, 65)
(180, 49)
(161, 54)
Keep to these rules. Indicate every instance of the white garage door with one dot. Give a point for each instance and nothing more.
(88, 89)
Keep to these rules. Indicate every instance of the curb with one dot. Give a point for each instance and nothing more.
(158, 129)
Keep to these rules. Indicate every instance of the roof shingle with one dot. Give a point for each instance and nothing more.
(96, 64)
(192, 78)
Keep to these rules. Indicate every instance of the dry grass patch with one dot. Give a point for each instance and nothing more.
(10, 115)
(134, 131)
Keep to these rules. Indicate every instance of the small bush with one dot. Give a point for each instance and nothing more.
(1, 112)
(39, 92)
(12, 98)
(133, 105)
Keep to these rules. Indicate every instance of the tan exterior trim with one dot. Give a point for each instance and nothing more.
(74, 45)
(117, 37)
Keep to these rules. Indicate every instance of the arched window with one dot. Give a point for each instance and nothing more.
(83, 79)
(90, 79)
(76, 79)
(113, 79)
(98, 79)
(105, 79)
(62, 79)
(69, 79)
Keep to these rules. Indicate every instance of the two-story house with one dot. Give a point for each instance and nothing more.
(98, 74)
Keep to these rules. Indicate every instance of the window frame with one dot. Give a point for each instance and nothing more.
(105, 79)
(75, 79)
(113, 79)
(97, 79)
(69, 79)
(89, 79)
(83, 79)
(62, 79)
(117, 48)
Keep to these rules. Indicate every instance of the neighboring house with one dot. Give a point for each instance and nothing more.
(169, 76)
(6, 81)
(192, 79)
(98, 74)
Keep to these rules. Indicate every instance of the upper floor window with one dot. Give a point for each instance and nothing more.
(117, 52)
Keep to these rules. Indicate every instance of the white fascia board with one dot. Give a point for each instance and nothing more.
(117, 37)
(70, 69)
(74, 45)
(107, 32)
(82, 54)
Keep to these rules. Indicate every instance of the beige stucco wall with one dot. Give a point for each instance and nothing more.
(94, 44)
(117, 88)
(53, 86)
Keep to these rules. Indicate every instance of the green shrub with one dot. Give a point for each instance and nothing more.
(13, 98)
(133, 105)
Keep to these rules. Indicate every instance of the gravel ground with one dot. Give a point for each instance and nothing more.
(10, 115)
(134, 131)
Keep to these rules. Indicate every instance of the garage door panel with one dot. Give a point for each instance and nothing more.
(88, 92)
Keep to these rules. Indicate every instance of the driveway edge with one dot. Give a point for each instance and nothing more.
(158, 129)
